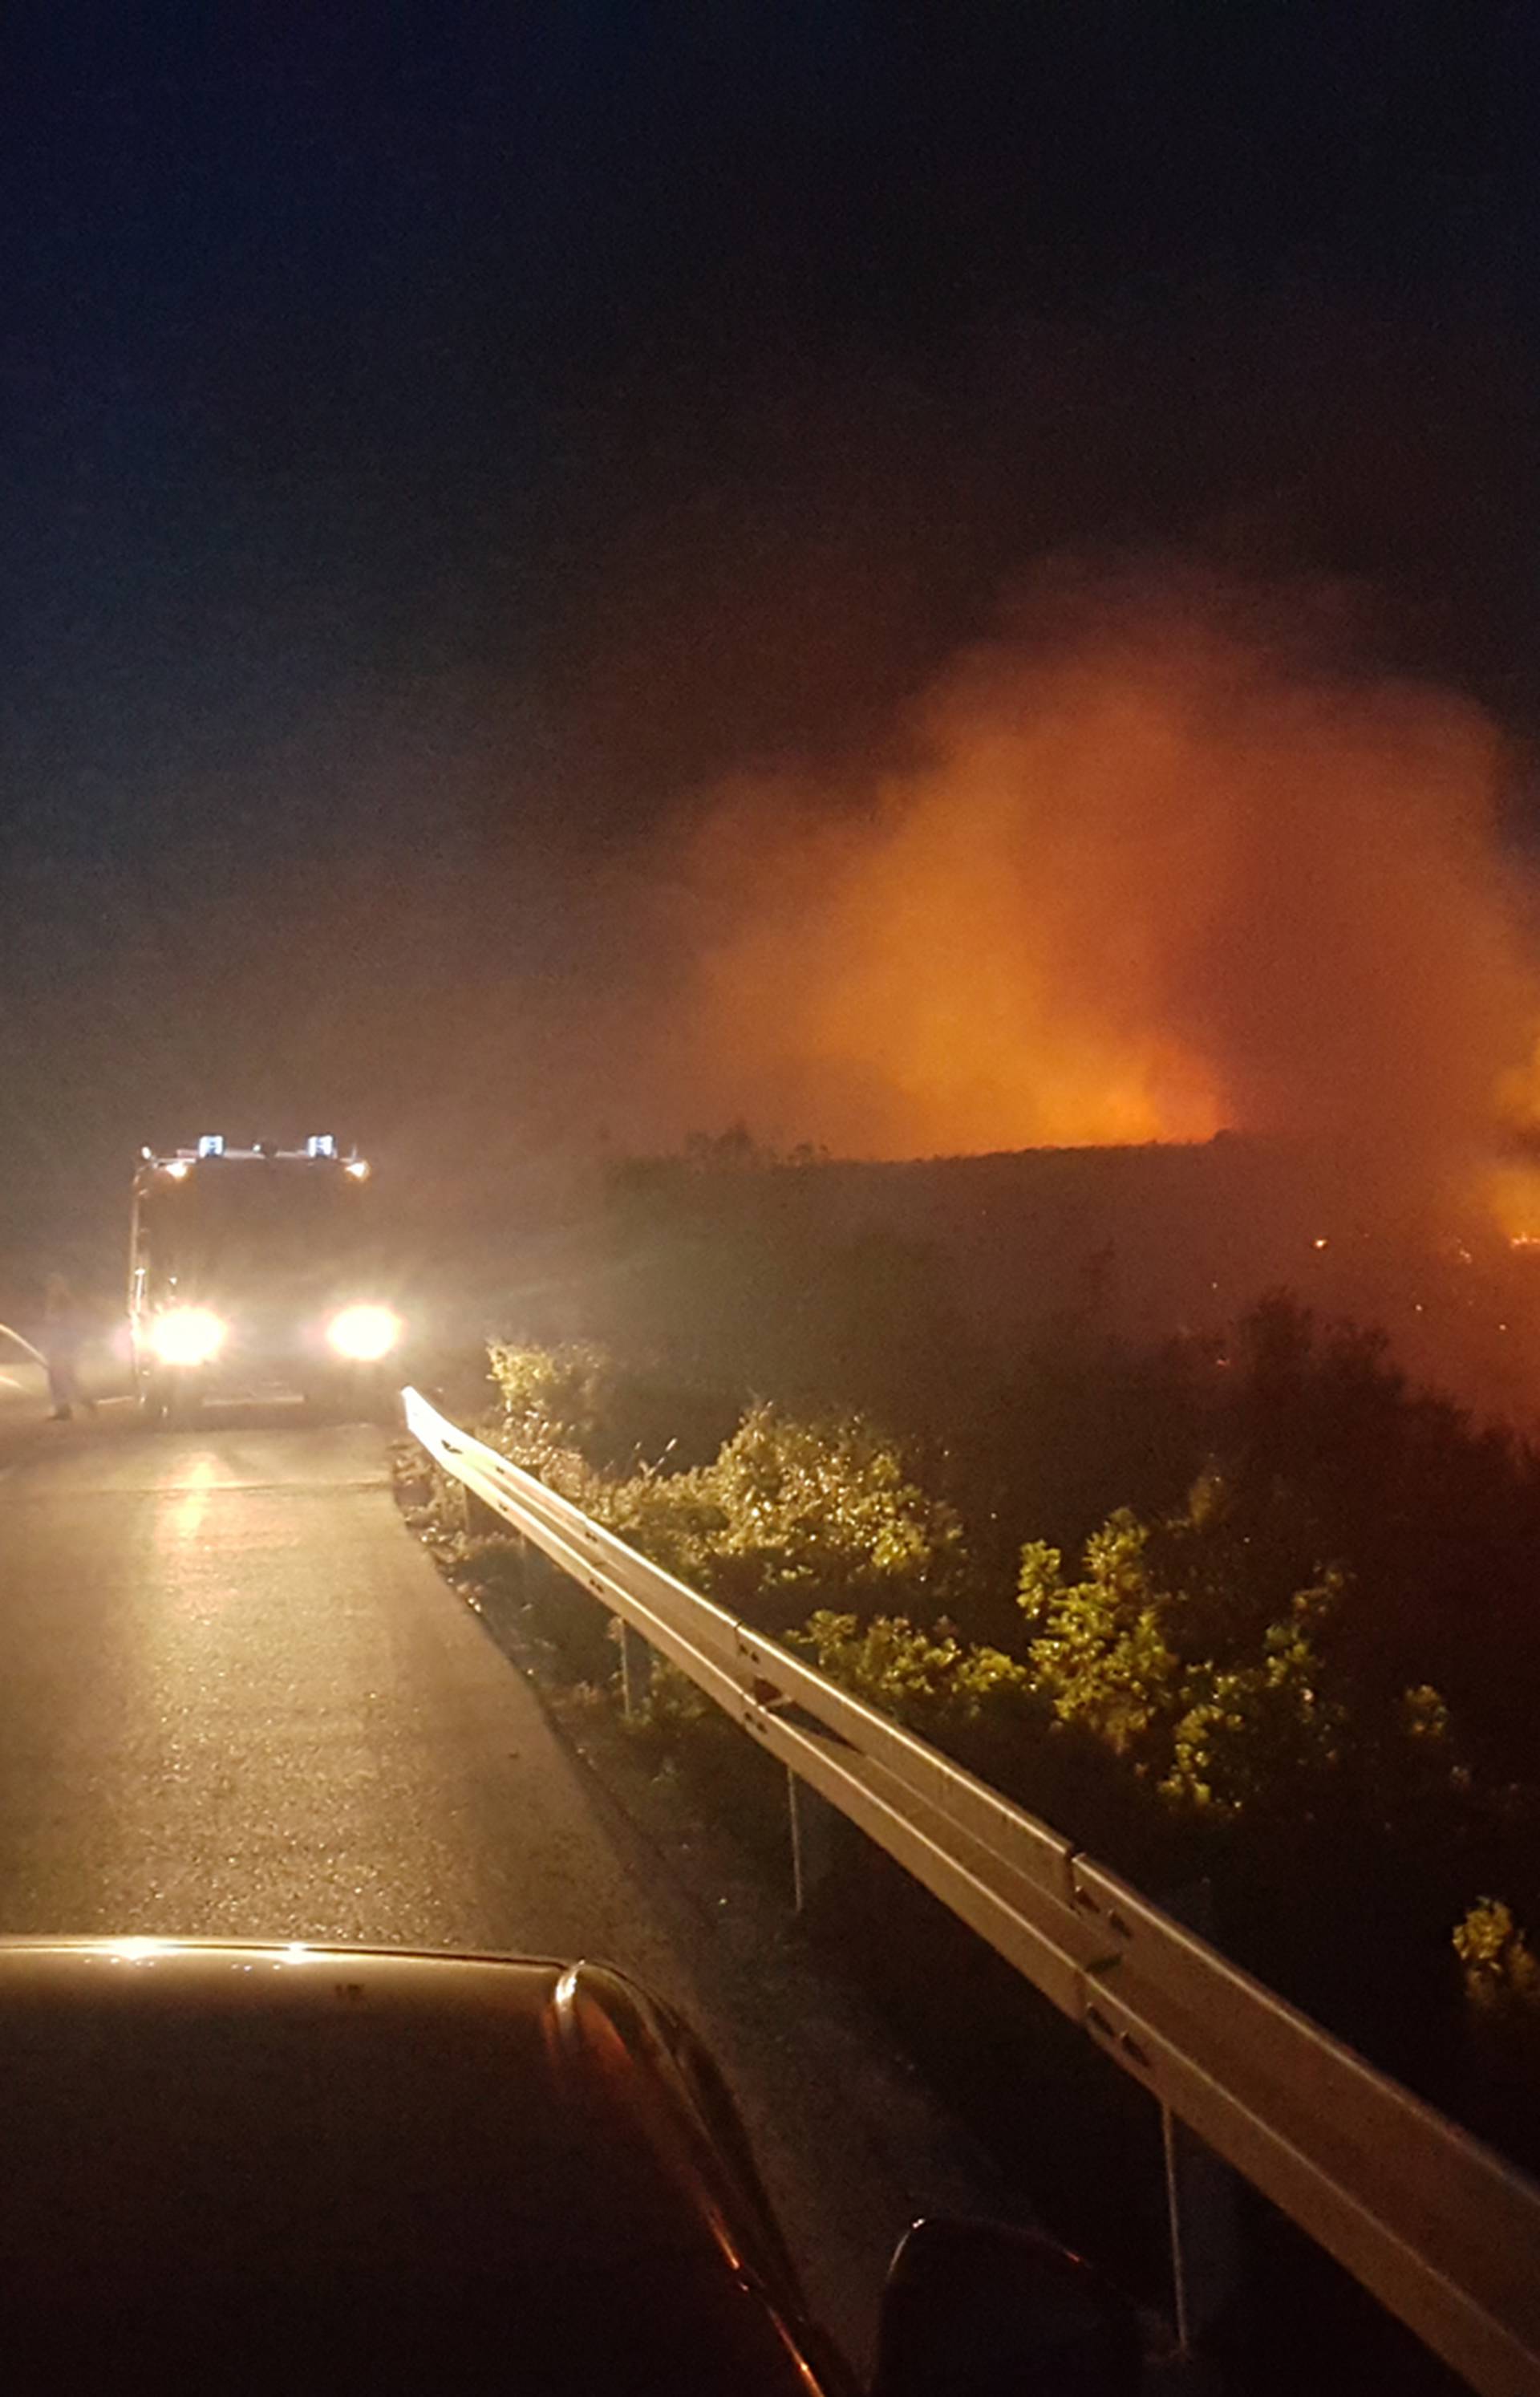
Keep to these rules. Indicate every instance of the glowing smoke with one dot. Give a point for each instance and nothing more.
(1139, 880)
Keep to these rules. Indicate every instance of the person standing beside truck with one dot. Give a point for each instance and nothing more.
(63, 1333)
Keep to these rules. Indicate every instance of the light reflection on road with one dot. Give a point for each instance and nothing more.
(187, 1518)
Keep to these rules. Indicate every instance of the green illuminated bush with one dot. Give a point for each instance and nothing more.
(929, 1680)
(1247, 1686)
(578, 1401)
(798, 1515)
(788, 1515)
(1501, 1973)
(1220, 1709)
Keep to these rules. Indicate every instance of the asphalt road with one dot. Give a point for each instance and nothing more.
(237, 1700)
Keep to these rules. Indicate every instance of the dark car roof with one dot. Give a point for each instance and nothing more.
(304, 2167)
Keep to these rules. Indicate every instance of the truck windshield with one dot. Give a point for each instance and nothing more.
(258, 1220)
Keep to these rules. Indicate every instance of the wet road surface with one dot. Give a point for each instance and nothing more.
(237, 1700)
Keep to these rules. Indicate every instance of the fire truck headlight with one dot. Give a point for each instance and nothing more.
(364, 1333)
(188, 1335)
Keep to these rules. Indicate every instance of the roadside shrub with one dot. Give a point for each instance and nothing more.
(794, 1515)
(1501, 1971)
(492, 1561)
(789, 1515)
(1244, 1715)
(929, 1680)
(554, 1395)
(1303, 1685)
(578, 1400)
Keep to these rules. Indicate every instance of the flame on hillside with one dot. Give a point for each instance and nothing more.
(1140, 880)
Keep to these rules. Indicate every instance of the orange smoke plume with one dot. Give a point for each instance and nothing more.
(1138, 881)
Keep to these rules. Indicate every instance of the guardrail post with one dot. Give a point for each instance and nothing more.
(1204, 2242)
(1200, 2189)
(811, 1821)
(467, 1509)
(636, 1670)
(480, 1518)
(1173, 2225)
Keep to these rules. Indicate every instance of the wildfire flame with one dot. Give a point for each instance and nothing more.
(1137, 881)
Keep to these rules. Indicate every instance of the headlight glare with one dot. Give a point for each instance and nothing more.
(187, 1335)
(364, 1333)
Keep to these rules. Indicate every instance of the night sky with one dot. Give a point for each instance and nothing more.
(436, 442)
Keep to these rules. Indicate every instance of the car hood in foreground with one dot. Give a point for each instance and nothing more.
(308, 2167)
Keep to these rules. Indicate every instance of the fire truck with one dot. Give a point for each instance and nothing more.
(259, 1273)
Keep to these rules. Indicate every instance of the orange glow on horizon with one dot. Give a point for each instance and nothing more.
(1512, 1195)
(1141, 885)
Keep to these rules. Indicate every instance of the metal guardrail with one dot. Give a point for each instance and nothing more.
(1438, 2227)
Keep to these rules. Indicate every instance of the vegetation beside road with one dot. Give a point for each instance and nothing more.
(1301, 1682)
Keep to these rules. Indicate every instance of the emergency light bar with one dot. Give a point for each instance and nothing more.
(320, 1148)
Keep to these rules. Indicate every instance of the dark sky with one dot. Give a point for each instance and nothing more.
(434, 440)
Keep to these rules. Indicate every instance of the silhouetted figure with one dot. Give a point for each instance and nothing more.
(63, 1333)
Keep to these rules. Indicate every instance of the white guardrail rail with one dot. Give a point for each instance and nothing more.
(1441, 2230)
